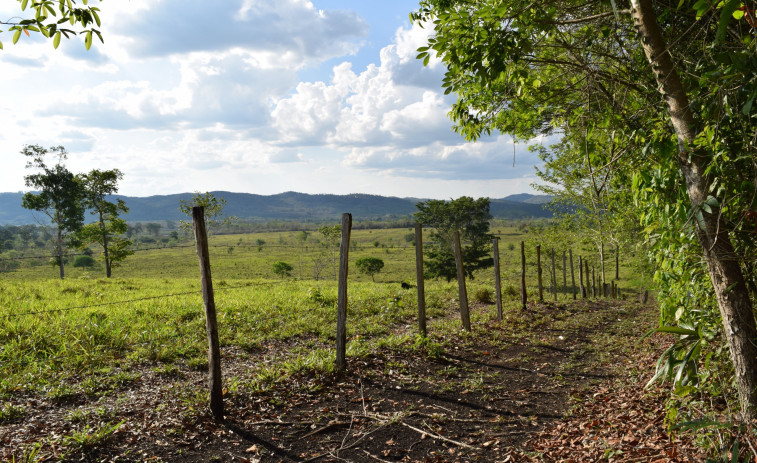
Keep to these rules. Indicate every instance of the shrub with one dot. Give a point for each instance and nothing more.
(483, 295)
(84, 261)
(282, 269)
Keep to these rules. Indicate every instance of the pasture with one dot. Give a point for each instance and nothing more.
(72, 347)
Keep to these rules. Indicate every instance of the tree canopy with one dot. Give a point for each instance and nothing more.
(659, 94)
(468, 216)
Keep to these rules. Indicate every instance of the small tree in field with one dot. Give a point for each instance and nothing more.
(282, 269)
(369, 266)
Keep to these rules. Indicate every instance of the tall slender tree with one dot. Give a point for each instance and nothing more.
(97, 185)
(59, 195)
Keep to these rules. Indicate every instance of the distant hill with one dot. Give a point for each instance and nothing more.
(283, 206)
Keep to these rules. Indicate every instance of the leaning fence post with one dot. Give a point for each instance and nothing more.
(523, 295)
(211, 324)
(419, 279)
(464, 313)
(341, 316)
(497, 278)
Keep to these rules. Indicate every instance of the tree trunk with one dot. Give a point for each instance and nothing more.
(105, 246)
(59, 251)
(726, 275)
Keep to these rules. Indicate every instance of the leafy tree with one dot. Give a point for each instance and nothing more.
(282, 269)
(153, 228)
(98, 184)
(468, 216)
(369, 266)
(332, 237)
(670, 85)
(213, 210)
(84, 261)
(48, 18)
(59, 195)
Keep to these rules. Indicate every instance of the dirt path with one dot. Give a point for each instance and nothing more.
(557, 383)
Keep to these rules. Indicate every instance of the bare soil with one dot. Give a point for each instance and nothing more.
(559, 382)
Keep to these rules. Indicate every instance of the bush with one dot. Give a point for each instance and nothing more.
(84, 261)
(282, 269)
(369, 265)
(483, 295)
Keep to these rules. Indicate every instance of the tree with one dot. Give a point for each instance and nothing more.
(468, 216)
(153, 228)
(282, 269)
(59, 198)
(332, 237)
(47, 20)
(369, 266)
(532, 68)
(97, 184)
(213, 210)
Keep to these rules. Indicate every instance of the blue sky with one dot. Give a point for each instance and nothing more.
(320, 96)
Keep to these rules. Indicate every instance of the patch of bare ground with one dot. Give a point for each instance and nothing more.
(558, 382)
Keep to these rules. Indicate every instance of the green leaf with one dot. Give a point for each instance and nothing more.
(671, 330)
(726, 14)
(16, 35)
(88, 40)
(56, 40)
(23, 4)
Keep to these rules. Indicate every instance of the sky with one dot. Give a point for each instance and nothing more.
(252, 96)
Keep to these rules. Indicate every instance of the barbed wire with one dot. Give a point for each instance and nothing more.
(141, 299)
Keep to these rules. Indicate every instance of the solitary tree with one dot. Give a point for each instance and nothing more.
(213, 210)
(468, 216)
(282, 269)
(369, 266)
(59, 195)
(106, 232)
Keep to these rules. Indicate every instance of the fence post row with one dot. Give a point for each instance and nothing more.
(341, 317)
(523, 295)
(419, 279)
(211, 324)
(497, 278)
(462, 291)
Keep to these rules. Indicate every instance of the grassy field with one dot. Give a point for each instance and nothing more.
(88, 336)
(54, 333)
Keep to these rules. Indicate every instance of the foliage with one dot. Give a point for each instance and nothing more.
(465, 215)
(369, 266)
(84, 261)
(47, 20)
(282, 269)
(106, 232)
(213, 210)
(60, 194)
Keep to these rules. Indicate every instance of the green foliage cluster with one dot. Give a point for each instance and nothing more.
(369, 266)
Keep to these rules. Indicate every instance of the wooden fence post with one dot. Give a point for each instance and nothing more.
(497, 278)
(564, 275)
(554, 275)
(341, 316)
(586, 264)
(462, 291)
(523, 294)
(419, 279)
(593, 283)
(211, 324)
(538, 272)
(581, 277)
(617, 262)
(572, 274)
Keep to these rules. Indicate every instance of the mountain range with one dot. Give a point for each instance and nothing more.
(282, 206)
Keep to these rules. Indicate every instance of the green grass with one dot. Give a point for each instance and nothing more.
(87, 334)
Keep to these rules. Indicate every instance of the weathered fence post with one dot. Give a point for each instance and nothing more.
(419, 279)
(593, 283)
(523, 294)
(497, 278)
(211, 324)
(462, 291)
(564, 275)
(572, 274)
(554, 275)
(341, 316)
(538, 272)
(581, 277)
(617, 262)
(586, 264)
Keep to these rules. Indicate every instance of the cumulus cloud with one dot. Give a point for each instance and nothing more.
(284, 32)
